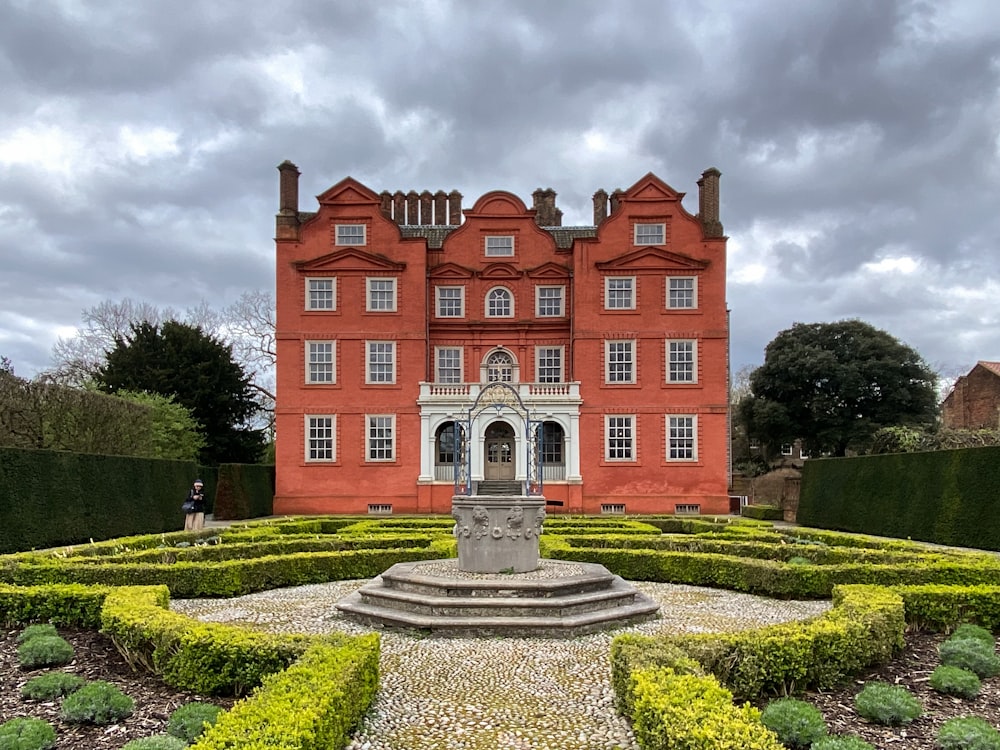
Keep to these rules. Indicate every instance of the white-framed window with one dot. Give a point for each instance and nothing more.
(499, 245)
(786, 449)
(619, 361)
(548, 364)
(381, 437)
(450, 301)
(380, 366)
(682, 292)
(321, 362)
(682, 361)
(619, 293)
(448, 364)
(321, 294)
(681, 437)
(499, 303)
(619, 437)
(650, 234)
(549, 301)
(320, 444)
(381, 295)
(351, 234)
(500, 368)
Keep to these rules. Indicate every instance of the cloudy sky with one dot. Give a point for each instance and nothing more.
(859, 142)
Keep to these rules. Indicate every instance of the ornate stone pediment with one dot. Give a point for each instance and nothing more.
(653, 259)
(350, 260)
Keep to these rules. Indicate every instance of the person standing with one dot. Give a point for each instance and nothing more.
(194, 507)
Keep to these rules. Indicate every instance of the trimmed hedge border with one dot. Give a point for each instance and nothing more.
(864, 626)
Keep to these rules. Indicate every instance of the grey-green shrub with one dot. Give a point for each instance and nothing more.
(968, 733)
(191, 719)
(841, 742)
(97, 702)
(44, 651)
(27, 734)
(887, 704)
(33, 631)
(968, 630)
(795, 722)
(47, 687)
(156, 742)
(952, 680)
(972, 654)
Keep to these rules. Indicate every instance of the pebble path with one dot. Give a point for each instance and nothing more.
(496, 693)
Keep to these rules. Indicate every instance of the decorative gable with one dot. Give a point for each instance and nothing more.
(348, 192)
(450, 271)
(548, 271)
(653, 259)
(500, 271)
(349, 260)
(652, 188)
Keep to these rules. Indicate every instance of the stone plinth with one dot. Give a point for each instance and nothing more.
(497, 533)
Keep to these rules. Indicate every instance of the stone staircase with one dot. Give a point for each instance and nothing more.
(561, 598)
(499, 487)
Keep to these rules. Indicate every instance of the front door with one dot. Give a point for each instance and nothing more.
(499, 451)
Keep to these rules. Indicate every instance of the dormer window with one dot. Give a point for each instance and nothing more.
(499, 245)
(351, 234)
(650, 234)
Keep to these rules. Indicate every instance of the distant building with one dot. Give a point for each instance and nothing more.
(974, 401)
(426, 350)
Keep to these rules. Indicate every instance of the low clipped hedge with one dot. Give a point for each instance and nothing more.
(674, 711)
(865, 626)
(313, 704)
(771, 578)
(763, 512)
(936, 607)
(63, 605)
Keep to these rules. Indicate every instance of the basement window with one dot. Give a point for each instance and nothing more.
(379, 509)
(689, 509)
(613, 509)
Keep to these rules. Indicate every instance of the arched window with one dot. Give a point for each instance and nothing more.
(552, 444)
(499, 303)
(500, 368)
(445, 444)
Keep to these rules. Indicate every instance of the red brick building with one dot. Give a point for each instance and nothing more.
(974, 402)
(425, 349)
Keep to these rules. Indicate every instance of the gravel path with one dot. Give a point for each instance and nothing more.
(496, 693)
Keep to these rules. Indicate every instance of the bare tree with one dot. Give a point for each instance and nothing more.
(247, 326)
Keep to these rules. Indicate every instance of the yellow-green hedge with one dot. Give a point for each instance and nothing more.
(64, 605)
(312, 705)
(943, 607)
(688, 712)
(865, 626)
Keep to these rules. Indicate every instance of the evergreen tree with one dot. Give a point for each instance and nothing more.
(833, 385)
(180, 360)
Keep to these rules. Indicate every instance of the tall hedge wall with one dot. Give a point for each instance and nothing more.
(946, 497)
(244, 491)
(53, 498)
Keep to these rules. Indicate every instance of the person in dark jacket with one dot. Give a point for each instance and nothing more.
(194, 507)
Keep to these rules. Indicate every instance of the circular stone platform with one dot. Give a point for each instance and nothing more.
(557, 599)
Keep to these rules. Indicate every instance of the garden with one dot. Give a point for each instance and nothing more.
(889, 662)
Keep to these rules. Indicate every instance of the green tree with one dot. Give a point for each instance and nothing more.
(180, 360)
(174, 433)
(833, 385)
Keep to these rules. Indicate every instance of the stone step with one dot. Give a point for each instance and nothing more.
(530, 626)
(409, 577)
(499, 487)
(378, 595)
(559, 598)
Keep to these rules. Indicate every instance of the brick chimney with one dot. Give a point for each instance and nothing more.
(440, 207)
(286, 223)
(600, 206)
(708, 202)
(546, 213)
(616, 200)
(454, 208)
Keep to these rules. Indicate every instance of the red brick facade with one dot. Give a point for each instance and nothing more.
(974, 402)
(396, 311)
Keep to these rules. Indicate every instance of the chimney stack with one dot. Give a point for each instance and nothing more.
(454, 208)
(600, 206)
(616, 200)
(287, 221)
(708, 202)
(546, 213)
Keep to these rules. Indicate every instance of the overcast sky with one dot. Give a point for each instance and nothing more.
(859, 143)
